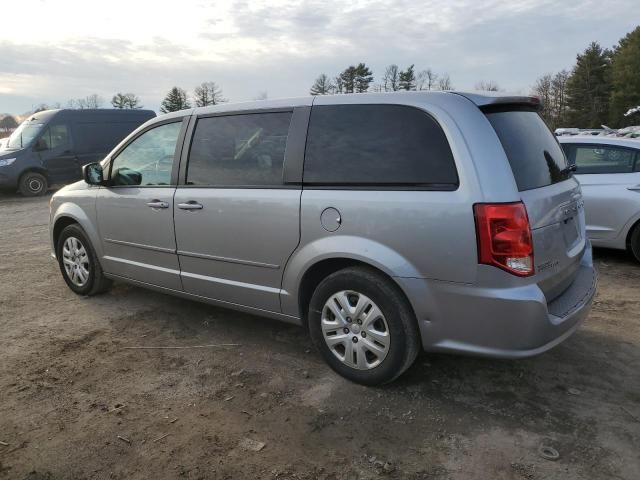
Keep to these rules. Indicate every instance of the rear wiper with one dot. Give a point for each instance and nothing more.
(569, 169)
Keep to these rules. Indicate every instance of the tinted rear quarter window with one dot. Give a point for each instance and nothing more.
(536, 158)
(385, 145)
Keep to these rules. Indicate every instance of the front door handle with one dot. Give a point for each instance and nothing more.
(190, 205)
(157, 204)
(634, 189)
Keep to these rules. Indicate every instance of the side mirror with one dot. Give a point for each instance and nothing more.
(126, 176)
(92, 174)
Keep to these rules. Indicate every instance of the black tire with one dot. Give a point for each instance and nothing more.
(634, 242)
(95, 281)
(33, 184)
(404, 338)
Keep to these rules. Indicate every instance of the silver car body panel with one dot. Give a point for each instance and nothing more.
(249, 249)
(612, 200)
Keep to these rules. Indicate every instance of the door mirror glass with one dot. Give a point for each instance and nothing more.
(126, 176)
(93, 174)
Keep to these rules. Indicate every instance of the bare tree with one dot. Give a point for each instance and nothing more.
(490, 86)
(338, 85)
(126, 101)
(444, 82)
(322, 85)
(391, 79)
(263, 95)
(90, 101)
(208, 93)
(426, 80)
(559, 95)
(543, 90)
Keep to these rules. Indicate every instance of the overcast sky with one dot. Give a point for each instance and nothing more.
(54, 50)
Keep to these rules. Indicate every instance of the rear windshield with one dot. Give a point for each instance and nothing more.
(533, 151)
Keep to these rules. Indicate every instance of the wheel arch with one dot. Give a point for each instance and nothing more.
(69, 213)
(308, 268)
(632, 225)
(34, 168)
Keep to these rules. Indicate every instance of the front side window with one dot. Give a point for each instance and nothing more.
(600, 158)
(148, 160)
(383, 145)
(54, 137)
(239, 150)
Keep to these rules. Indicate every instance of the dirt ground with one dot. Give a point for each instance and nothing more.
(77, 403)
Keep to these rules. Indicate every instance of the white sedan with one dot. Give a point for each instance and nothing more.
(608, 169)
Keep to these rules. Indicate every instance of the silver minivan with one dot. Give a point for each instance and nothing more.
(380, 222)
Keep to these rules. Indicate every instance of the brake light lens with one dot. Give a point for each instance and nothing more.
(504, 237)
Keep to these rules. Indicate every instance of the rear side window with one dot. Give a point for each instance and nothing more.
(239, 150)
(600, 158)
(536, 158)
(385, 145)
(55, 137)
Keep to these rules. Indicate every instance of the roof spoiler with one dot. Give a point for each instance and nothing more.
(499, 101)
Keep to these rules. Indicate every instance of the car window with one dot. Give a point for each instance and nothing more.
(393, 145)
(239, 150)
(536, 158)
(598, 158)
(54, 137)
(148, 160)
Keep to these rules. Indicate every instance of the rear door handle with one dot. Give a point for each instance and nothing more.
(157, 204)
(190, 205)
(634, 189)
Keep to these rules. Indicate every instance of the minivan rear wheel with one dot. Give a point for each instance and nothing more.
(363, 326)
(635, 242)
(78, 262)
(33, 184)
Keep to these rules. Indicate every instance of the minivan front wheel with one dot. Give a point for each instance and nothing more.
(33, 184)
(78, 262)
(363, 326)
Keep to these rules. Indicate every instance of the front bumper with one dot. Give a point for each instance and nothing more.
(499, 322)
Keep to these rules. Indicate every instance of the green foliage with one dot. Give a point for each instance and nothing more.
(355, 79)
(625, 80)
(407, 79)
(175, 100)
(589, 88)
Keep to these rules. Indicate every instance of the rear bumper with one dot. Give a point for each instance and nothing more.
(505, 323)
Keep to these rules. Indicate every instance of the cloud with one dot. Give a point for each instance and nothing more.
(281, 46)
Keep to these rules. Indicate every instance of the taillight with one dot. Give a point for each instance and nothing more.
(504, 237)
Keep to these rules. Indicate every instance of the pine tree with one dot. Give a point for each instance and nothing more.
(208, 93)
(364, 77)
(175, 100)
(322, 86)
(625, 79)
(589, 89)
(408, 79)
(348, 79)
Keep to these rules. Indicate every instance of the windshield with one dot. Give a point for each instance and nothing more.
(24, 135)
